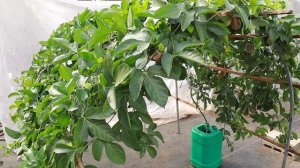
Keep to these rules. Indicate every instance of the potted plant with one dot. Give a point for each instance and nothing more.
(99, 65)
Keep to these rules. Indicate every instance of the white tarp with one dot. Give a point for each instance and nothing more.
(26, 22)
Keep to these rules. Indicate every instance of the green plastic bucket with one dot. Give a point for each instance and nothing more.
(206, 148)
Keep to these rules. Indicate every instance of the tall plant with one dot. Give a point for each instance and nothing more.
(100, 66)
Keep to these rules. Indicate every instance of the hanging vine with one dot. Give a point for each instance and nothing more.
(104, 64)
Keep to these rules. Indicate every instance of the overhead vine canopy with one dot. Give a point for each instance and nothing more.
(106, 63)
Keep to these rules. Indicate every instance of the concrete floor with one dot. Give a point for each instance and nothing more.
(174, 153)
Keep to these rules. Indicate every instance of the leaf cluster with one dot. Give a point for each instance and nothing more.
(100, 66)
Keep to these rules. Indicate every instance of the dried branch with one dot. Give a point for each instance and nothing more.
(258, 78)
(267, 12)
(157, 57)
(245, 36)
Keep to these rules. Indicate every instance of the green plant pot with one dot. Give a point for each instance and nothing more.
(206, 148)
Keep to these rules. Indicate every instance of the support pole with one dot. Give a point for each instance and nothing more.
(177, 107)
(291, 90)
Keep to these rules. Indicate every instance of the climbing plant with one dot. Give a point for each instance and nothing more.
(104, 64)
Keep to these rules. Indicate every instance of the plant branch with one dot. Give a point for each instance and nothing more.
(245, 36)
(269, 12)
(198, 108)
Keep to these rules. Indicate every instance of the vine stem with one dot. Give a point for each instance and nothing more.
(291, 90)
(242, 74)
(79, 162)
(199, 109)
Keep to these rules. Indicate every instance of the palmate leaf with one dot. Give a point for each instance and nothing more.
(80, 36)
(218, 28)
(12, 133)
(115, 153)
(166, 62)
(136, 83)
(101, 130)
(96, 113)
(65, 72)
(244, 16)
(186, 19)
(193, 56)
(97, 149)
(121, 73)
(81, 132)
(156, 89)
(170, 11)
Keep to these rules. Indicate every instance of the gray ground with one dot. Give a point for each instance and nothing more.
(174, 153)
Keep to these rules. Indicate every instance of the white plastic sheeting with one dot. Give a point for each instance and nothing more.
(26, 22)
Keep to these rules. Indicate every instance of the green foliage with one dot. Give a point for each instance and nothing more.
(99, 66)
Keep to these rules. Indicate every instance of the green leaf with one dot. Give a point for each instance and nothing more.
(63, 148)
(100, 36)
(146, 118)
(187, 19)
(123, 115)
(115, 153)
(159, 71)
(65, 160)
(87, 59)
(97, 149)
(152, 151)
(201, 28)
(202, 10)
(186, 44)
(61, 42)
(121, 73)
(96, 113)
(58, 89)
(141, 36)
(244, 16)
(129, 18)
(61, 58)
(13, 94)
(80, 133)
(99, 51)
(218, 28)
(193, 56)
(65, 72)
(156, 89)
(101, 130)
(111, 98)
(80, 36)
(127, 45)
(139, 104)
(166, 62)
(135, 84)
(12, 133)
(130, 140)
(90, 166)
(82, 95)
(158, 134)
(170, 11)
(71, 86)
(142, 61)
